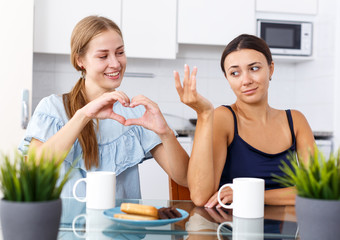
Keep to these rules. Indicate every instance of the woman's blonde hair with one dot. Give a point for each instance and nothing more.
(82, 34)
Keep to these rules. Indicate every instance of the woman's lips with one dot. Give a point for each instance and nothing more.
(250, 91)
(113, 76)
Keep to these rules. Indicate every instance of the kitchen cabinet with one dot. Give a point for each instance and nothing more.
(55, 20)
(214, 22)
(16, 48)
(288, 6)
(149, 28)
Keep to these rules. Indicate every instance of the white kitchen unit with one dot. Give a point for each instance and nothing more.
(154, 181)
(16, 51)
(149, 28)
(214, 22)
(288, 6)
(55, 20)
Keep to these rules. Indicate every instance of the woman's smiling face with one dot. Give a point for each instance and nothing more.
(248, 74)
(105, 61)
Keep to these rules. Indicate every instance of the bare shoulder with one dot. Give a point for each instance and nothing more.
(304, 135)
(301, 125)
(298, 118)
(223, 122)
(222, 115)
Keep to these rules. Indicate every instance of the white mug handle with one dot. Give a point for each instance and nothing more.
(220, 226)
(74, 227)
(219, 193)
(74, 190)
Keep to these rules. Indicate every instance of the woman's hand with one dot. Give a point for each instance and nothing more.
(102, 107)
(152, 119)
(226, 197)
(188, 93)
(219, 215)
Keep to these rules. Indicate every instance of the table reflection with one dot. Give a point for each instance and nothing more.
(77, 222)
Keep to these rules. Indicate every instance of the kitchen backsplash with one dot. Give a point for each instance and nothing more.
(305, 86)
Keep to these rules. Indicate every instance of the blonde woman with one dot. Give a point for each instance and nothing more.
(103, 126)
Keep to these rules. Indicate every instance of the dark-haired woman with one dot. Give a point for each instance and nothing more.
(101, 125)
(248, 138)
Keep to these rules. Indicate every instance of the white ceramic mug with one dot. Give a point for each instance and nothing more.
(96, 222)
(100, 190)
(245, 228)
(248, 197)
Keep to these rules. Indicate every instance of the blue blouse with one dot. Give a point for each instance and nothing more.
(121, 148)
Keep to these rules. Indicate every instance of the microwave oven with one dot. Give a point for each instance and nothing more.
(290, 38)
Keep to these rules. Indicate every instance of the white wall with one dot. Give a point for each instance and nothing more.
(315, 79)
(336, 92)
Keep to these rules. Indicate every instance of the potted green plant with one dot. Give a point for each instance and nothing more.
(317, 185)
(31, 206)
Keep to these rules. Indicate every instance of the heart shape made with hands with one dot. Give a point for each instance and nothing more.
(152, 118)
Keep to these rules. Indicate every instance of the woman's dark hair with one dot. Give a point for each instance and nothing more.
(246, 41)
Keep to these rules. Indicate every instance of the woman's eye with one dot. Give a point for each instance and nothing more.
(121, 53)
(103, 57)
(255, 68)
(235, 73)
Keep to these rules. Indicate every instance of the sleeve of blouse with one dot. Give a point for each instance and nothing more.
(43, 124)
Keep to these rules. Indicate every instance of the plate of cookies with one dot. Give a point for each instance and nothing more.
(144, 215)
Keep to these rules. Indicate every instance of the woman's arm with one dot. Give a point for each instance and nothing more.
(202, 178)
(304, 145)
(304, 136)
(170, 155)
(280, 196)
(62, 141)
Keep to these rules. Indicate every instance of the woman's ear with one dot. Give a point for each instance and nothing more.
(80, 62)
(271, 70)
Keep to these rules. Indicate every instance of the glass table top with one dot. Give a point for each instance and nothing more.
(77, 222)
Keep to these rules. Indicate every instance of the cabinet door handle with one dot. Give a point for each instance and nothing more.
(24, 108)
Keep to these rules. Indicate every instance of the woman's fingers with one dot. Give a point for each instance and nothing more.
(124, 97)
(186, 75)
(187, 89)
(178, 84)
(133, 121)
(193, 80)
(224, 214)
(120, 97)
(142, 100)
(212, 201)
(226, 196)
(118, 118)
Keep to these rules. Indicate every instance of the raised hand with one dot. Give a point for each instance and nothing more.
(188, 93)
(152, 118)
(102, 107)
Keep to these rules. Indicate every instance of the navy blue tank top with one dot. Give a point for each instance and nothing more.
(244, 160)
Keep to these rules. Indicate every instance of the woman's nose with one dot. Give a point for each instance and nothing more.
(247, 79)
(113, 62)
